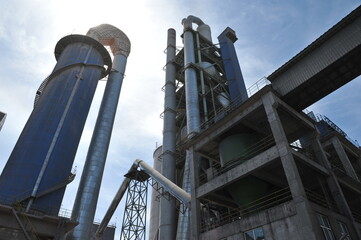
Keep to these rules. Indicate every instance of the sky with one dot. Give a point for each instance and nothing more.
(269, 34)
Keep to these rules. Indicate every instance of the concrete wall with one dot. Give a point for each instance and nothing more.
(334, 218)
(278, 223)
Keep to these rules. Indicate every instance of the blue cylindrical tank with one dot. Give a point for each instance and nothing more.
(42, 158)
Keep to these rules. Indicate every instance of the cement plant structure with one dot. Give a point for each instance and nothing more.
(235, 163)
(255, 165)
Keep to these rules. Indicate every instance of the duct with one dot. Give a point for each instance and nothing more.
(209, 68)
(192, 113)
(168, 185)
(88, 191)
(191, 89)
(203, 29)
(111, 36)
(167, 220)
(201, 75)
(236, 85)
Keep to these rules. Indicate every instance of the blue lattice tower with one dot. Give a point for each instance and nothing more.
(134, 219)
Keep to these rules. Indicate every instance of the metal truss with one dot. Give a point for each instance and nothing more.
(134, 219)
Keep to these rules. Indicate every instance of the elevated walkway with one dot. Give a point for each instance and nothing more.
(325, 65)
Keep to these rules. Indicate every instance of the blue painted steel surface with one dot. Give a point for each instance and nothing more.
(237, 88)
(89, 186)
(55, 126)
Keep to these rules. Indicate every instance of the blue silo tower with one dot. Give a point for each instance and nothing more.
(40, 164)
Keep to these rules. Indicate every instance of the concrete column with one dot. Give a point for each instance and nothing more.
(344, 158)
(332, 182)
(358, 162)
(308, 225)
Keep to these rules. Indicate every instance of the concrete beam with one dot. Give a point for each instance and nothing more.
(303, 120)
(334, 182)
(344, 158)
(269, 177)
(306, 220)
(226, 123)
(350, 183)
(314, 165)
(238, 172)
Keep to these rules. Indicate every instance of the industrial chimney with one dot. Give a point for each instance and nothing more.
(88, 191)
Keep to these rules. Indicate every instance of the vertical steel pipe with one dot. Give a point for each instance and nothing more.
(177, 192)
(191, 88)
(167, 224)
(193, 119)
(87, 195)
(201, 76)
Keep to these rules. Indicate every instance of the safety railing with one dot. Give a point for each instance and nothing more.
(332, 125)
(219, 113)
(37, 211)
(271, 200)
(97, 221)
(25, 222)
(230, 215)
(212, 172)
(251, 151)
(337, 165)
(356, 213)
(260, 146)
(257, 86)
(321, 200)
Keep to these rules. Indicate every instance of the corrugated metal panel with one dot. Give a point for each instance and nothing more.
(320, 58)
